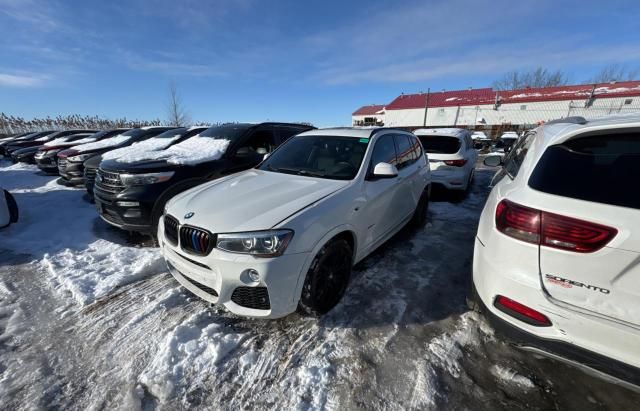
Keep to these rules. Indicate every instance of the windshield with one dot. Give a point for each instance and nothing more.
(440, 144)
(332, 157)
(176, 132)
(231, 132)
(133, 132)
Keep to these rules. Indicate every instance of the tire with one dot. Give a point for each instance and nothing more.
(327, 278)
(419, 218)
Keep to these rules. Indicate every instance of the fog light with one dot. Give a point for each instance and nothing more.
(253, 275)
(127, 203)
(133, 213)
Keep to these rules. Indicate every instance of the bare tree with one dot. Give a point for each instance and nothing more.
(615, 72)
(539, 77)
(176, 112)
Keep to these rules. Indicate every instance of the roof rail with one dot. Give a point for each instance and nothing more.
(569, 120)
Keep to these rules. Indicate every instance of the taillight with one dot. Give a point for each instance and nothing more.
(551, 230)
(574, 235)
(455, 163)
(521, 312)
(518, 221)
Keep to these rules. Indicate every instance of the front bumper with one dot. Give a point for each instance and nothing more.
(221, 277)
(72, 173)
(47, 164)
(130, 218)
(599, 341)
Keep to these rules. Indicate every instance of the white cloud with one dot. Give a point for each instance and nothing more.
(20, 80)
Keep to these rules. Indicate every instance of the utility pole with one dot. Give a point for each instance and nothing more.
(426, 107)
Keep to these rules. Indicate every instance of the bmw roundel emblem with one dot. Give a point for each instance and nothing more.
(189, 215)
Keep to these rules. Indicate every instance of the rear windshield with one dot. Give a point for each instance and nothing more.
(602, 169)
(440, 144)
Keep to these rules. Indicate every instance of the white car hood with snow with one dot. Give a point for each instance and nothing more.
(249, 201)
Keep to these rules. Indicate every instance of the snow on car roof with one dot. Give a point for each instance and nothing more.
(453, 132)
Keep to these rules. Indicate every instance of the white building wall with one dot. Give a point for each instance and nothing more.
(513, 113)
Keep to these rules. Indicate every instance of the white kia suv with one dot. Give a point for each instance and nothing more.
(284, 235)
(452, 158)
(557, 255)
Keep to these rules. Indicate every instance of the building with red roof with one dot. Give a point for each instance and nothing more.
(372, 115)
(518, 108)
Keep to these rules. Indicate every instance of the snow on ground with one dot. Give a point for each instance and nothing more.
(56, 227)
(194, 150)
(107, 142)
(509, 376)
(125, 335)
(138, 151)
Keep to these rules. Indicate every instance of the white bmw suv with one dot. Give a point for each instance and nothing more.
(557, 254)
(284, 235)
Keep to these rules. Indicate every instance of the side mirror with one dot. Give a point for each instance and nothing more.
(385, 170)
(493, 161)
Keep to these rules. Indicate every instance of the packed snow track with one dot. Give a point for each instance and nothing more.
(90, 319)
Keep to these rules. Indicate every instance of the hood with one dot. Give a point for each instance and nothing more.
(142, 166)
(251, 200)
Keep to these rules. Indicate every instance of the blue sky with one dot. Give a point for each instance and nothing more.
(251, 60)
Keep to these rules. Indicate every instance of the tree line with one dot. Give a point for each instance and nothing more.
(543, 77)
(15, 124)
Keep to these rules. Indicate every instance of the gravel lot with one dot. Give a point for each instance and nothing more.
(91, 319)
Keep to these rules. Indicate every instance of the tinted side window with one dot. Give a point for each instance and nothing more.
(417, 147)
(285, 133)
(603, 169)
(384, 152)
(260, 142)
(514, 159)
(404, 150)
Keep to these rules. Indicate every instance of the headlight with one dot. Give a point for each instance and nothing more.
(80, 157)
(143, 179)
(259, 243)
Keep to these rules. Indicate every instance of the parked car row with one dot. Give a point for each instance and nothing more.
(267, 219)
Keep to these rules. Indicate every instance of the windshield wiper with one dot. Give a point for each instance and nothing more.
(295, 171)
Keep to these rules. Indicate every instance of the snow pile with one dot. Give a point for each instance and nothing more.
(137, 151)
(43, 138)
(194, 150)
(191, 352)
(56, 141)
(95, 271)
(107, 142)
(85, 262)
(509, 376)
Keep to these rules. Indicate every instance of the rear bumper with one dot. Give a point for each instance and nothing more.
(450, 179)
(564, 350)
(594, 342)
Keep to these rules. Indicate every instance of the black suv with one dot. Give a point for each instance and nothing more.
(132, 196)
(38, 142)
(71, 161)
(4, 145)
(159, 142)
